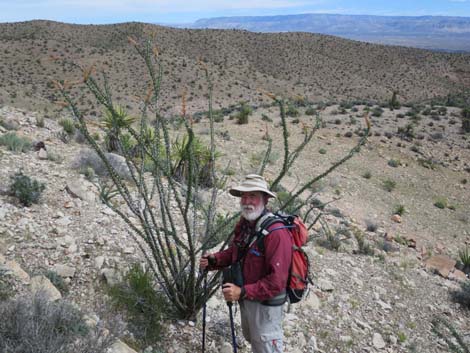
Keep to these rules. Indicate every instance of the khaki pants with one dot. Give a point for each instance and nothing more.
(262, 326)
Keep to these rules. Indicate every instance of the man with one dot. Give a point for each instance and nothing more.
(265, 268)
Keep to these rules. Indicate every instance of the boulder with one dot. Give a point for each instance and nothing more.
(64, 270)
(15, 269)
(78, 190)
(43, 284)
(42, 154)
(378, 341)
(442, 264)
(120, 347)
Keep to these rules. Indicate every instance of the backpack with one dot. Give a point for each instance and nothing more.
(299, 278)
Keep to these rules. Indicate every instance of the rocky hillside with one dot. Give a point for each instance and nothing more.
(377, 300)
(242, 66)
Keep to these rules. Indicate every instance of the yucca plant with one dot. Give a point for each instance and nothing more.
(114, 121)
(171, 224)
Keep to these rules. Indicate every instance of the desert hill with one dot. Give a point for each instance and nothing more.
(241, 63)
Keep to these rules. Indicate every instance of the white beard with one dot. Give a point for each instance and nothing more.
(251, 213)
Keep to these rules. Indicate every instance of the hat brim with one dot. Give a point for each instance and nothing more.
(238, 190)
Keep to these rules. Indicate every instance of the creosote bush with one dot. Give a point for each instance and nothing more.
(24, 188)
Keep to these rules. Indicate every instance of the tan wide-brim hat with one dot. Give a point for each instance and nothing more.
(252, 182)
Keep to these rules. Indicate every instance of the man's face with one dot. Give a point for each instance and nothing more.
(252, 204)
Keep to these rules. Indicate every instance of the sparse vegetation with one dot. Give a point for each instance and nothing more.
(244, 112)
(447, 332)
(393, 163)
(441, 203)
(389, 185)
(399, 210)
(24, 188)
(36, 325)
(367, 175)
(68, 125)
(146, 308)
(465, 116)
(15, 143)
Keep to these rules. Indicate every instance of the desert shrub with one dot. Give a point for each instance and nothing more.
(465, 116)
(394, 103)
(40, 121)
(364, 246)
(399, 210)
(6, 287)
(24, 188)
(448, 333)
(57, 281)
(377, 112)
(393, 163)
(15, 143)
(244, 112)
(427, 163)
(371, 225)
(264, 117)
(310, 111)
(292, 111)
(441, 203)
(406, 132)
(367, 174)
(462, 295)
(145, 307)
(36, 325)
(87, 158)
(322, 151)
(389, 185)
(464, 259)
(68, 125)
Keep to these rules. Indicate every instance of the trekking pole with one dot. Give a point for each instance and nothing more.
(232, 327)
(204, 308)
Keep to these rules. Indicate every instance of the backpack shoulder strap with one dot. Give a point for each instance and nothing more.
(262, 227)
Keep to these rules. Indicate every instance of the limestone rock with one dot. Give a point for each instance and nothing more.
(441, 264)
(15, 269)
(43, 285)
(78, 190)
(120, 347)
(458, 275)
(112, 277)
(311, 302)
(42, 154)
(64, 270)
(396, 218)
(325, 285)
(378, 341)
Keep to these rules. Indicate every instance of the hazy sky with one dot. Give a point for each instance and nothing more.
(178, 11)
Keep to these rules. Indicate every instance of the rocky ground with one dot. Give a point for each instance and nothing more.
(360, 303)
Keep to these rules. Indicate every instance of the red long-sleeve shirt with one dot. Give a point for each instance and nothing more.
(265, 273)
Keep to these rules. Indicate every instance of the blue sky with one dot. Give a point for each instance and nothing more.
(179, 11)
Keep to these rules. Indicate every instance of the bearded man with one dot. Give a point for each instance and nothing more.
(265, 269)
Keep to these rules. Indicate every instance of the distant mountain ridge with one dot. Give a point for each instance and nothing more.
(428, 32)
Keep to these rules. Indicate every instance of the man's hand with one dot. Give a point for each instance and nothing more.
(206, 260)
(231, 292)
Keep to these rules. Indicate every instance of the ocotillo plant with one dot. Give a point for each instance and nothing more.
(170, 224)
